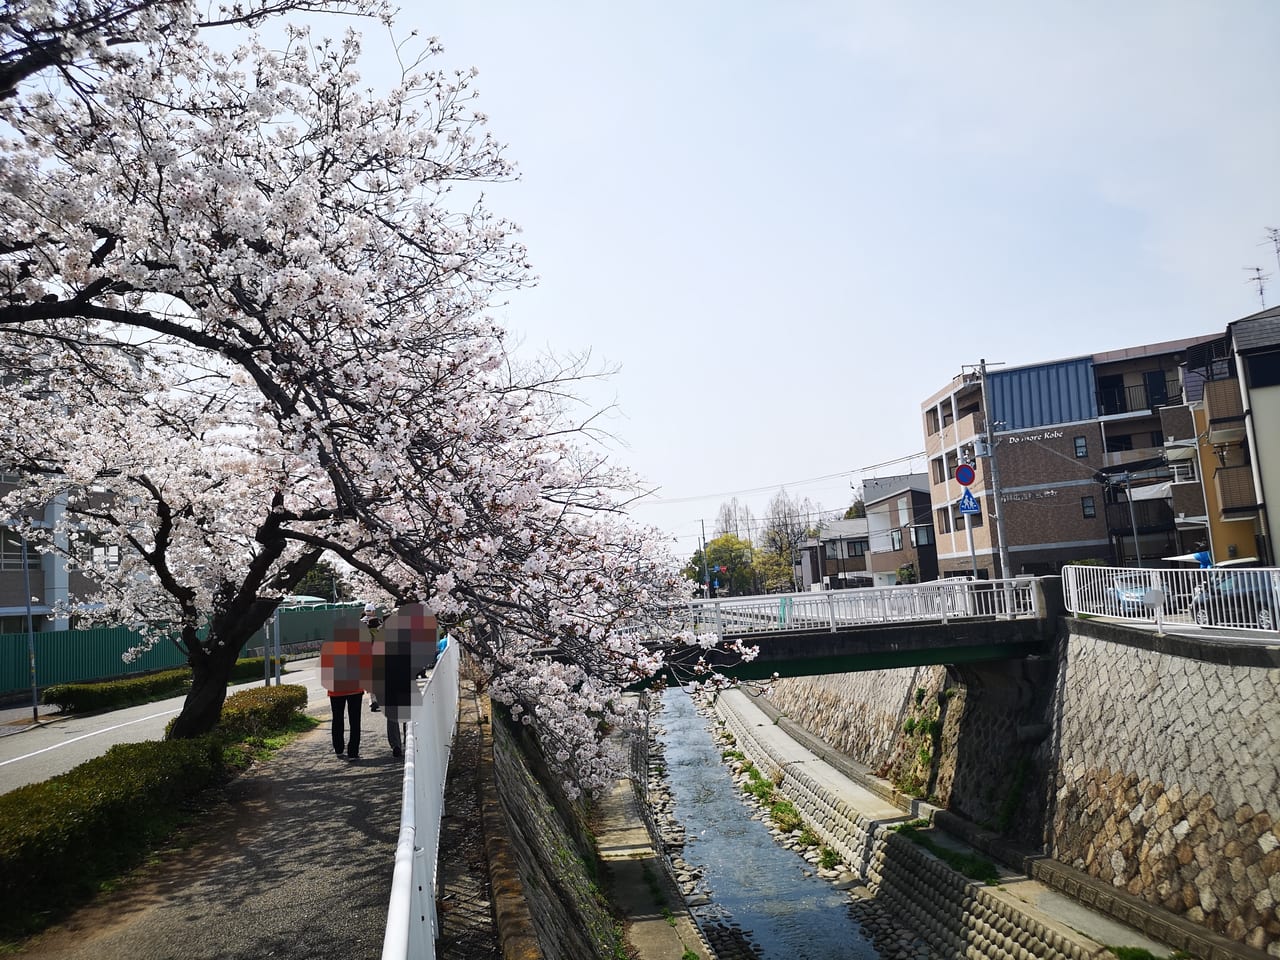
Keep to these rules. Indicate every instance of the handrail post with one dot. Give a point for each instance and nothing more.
(831, 610)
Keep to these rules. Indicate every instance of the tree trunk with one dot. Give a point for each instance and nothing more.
(211, 664)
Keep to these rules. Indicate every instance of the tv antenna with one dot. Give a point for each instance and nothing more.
(1260, 279)
(1273, 238)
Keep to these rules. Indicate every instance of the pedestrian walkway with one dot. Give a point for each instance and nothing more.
(295, 864)
(656, 921)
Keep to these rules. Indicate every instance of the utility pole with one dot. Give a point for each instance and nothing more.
(706, 571)
(993, 463)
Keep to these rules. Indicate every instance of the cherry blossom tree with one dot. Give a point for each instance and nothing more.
(78, 40)
(245, 301)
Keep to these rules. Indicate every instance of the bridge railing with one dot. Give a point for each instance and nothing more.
(938, 602)
(1218, 597)
(411, 915)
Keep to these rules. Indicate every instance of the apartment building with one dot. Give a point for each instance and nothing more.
(837, 558)
(900, 534)
(30, 581)
(1079, 448)
(1237, 435)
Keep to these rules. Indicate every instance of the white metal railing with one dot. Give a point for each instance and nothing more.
(1217, 597)
(940, 601)
(411, 914)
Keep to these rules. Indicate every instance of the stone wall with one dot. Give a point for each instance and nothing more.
(1168, 778)
(860, 714)
(1148, 763)
(968, 738)
(955, 916)
(555, 862)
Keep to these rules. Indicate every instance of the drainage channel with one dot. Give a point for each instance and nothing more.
(765, 901)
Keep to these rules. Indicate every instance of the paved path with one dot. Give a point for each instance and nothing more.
(296, 864)
(657, 923)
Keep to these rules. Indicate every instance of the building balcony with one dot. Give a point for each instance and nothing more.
(1236, 493)
(1188, 499)
(1117, 458)
(1225, 408)
(1151, 516)
(1179, 429)
(1141, 398)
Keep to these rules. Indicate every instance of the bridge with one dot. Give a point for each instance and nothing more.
(846, 631)
(955, 621)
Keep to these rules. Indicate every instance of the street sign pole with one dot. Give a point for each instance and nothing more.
(973, 554)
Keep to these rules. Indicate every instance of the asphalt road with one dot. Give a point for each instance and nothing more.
(34, 751)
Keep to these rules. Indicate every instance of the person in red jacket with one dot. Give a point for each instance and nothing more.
(344, 663)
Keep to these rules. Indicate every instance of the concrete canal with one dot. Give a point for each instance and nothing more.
(753, 883)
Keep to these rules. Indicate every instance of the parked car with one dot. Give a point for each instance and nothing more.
(1126, 597)
(1242, 598)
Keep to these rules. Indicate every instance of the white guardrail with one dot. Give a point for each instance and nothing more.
(939, 601)
(1230, 597)
(411, 915)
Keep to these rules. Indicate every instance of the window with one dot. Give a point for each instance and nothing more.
(1087, 507)
(931, 420)
(108, 554)
(855, 548)
(939, 471)
(943, 521)
(895, 539)
(11, 552)
(1117, 444)
(921, 535)
(957, 518)
(1082, 447)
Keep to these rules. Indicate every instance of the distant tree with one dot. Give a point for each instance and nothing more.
(324, 580)
(774, 572)
(857, 510)
(735, 518)
(788, 523)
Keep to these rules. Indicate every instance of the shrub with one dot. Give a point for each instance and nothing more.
(250, 713)
(123, 692)
(60, 839)
(786, 816)
(828, 858)
(127, 691)
(250, 668)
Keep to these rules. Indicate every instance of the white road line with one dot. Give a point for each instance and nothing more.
(67, 743)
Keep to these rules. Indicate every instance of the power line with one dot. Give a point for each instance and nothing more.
(664, 501)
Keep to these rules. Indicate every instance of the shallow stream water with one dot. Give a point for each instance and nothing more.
(754, 882)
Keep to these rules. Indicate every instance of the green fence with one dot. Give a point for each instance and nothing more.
(304, 628)
(67, 656)
(64, 656)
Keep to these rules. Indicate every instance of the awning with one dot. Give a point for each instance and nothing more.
(1152, 491)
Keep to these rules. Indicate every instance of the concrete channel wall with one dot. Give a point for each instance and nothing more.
(1167, 782)
(1145, 766)
(957, 917)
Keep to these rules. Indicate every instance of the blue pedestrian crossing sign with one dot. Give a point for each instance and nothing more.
(968, 503)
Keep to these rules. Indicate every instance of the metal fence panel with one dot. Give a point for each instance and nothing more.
(73, 656)
(67, 656)
(411, 914)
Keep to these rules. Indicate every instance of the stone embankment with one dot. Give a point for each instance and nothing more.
(916, 907)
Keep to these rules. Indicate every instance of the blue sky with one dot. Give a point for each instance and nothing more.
(788, 224)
